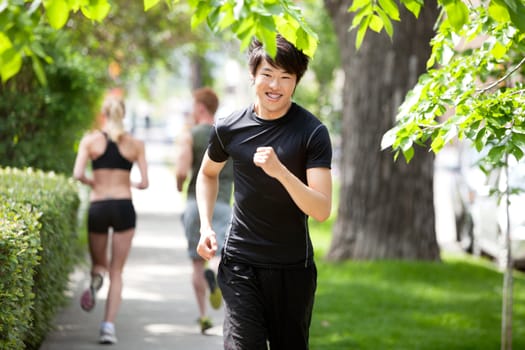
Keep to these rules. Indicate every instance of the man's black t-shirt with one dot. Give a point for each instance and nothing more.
(268, 229)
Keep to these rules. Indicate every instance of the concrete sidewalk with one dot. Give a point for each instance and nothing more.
(158, 310)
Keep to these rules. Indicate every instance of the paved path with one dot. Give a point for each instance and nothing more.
(158, 309)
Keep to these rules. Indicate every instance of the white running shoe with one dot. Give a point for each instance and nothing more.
(107, 335)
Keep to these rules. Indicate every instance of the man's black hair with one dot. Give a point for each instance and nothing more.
(288, 57)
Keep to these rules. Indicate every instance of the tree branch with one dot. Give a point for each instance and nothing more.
(505, 77)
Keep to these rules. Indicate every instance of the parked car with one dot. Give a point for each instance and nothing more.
(481, 218)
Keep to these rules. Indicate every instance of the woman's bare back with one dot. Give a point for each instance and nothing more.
(113, 183)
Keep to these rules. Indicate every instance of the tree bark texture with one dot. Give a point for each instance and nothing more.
(386, 208)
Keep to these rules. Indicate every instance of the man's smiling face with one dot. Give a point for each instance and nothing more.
(274, 89)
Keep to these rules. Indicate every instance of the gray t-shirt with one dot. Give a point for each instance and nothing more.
(200, 135)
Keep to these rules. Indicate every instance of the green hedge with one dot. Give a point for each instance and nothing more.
(40, 126)
(55, 199)
(19, 244)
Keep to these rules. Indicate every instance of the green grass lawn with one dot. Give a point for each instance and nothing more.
(402, 305)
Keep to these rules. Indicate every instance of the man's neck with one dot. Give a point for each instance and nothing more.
(205, 119)
(269, 115)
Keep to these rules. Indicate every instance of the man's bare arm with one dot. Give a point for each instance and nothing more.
(207, 188)
(313, 198)
(184, 159)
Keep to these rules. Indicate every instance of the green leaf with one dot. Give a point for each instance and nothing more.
(391, 9)
(286, 28)
(247, 25)
(201, 13)
(74, 5)
(376, 24)
(266, 33)
(498, 12)
(451, 134)
(39, 70)
(408, 154)
(360, 16)
(306, 42)
(499, 50)
(361, 32)
(246, 31)
(396, 155)
(268, 23)
(517, 153)
(10, 64)
(57, 12)
(37, 50)
(5, 43)
(496, 153)
(268, 39)
(432, 60)
(406, 143)
(357, 4)
(518, 139)
(213, 18)
(388, 138)
(97, 10)
(413, 6)
(480, 139)
(437, 143)
(518, 16)
(512, 5)
(457, 14)
(389, 28)
(227, 16)
(149, 4)
(297, 33)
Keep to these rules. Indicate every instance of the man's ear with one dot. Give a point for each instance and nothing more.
(199, 107)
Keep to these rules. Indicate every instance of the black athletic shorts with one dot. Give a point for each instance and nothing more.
(265, 305)
(116, 213)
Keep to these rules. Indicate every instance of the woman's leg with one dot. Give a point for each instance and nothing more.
(120, 247)
(98, 245)
(98, 252)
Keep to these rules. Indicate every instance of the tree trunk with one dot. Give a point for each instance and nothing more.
(196, 69)
(386, 208)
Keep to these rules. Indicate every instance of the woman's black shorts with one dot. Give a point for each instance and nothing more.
(116, 213)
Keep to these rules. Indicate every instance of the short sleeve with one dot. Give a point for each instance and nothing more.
(319, 149)
(216, 149)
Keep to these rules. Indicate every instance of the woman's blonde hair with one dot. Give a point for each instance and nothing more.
(114, 110)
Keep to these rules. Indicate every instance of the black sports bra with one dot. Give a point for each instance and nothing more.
(111, 158)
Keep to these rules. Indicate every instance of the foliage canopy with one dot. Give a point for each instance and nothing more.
(475, 91)
(490, 114)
